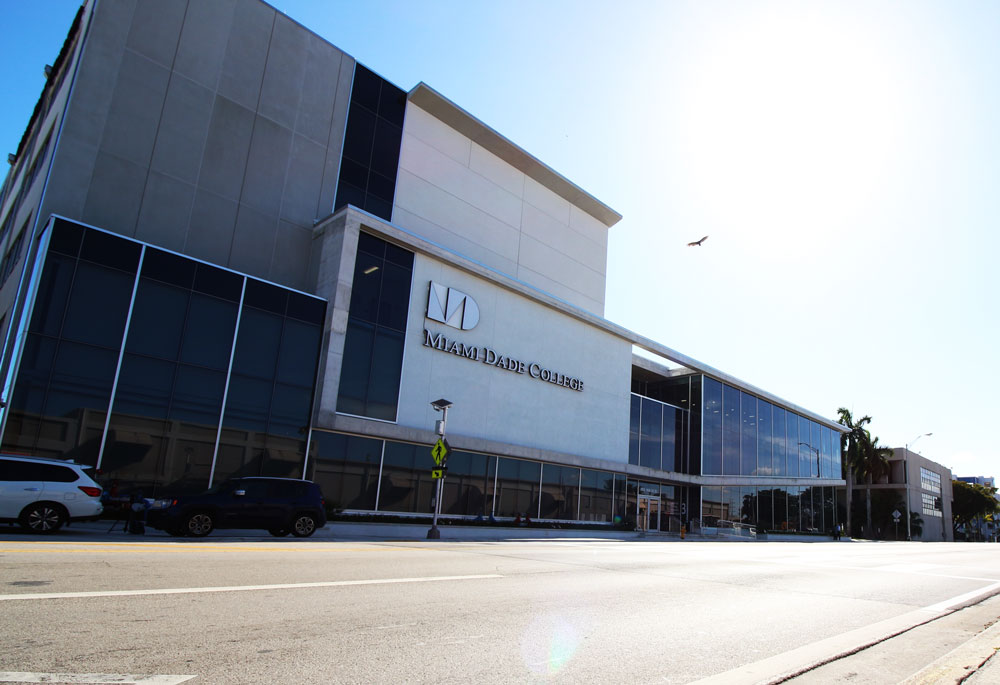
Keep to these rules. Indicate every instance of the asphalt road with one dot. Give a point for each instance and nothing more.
(258, 610)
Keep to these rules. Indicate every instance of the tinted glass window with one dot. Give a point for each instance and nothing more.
(158, 320)
(168, 268)
(110, 250)
(98, 306)
(208, 335)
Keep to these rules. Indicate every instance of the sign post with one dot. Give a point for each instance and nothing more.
(895, 518)
(440, 455)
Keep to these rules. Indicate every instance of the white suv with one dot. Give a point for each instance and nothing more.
(43, 494)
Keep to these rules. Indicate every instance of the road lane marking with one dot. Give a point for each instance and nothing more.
(958, 600)
(18, 677)
(237, 588)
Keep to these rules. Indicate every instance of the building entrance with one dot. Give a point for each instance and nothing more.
(649, 513)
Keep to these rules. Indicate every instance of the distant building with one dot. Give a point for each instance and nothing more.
(229, 250)
(915, 483)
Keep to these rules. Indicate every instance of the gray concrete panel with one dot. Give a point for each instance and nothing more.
(165, 211)
(213, 222)
(134, 116)
(331, 169)
(203, 41)
(183, 131)
(282, 85)
(253, 242)
(267, 165)
(72, 167)
(319, 89)
(115, 194)
(155, 29)
(303, 182)
(246, 52)
(224, 162)
(98, 73)
(291, 256)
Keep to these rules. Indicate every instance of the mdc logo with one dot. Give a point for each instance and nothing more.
(451, 307)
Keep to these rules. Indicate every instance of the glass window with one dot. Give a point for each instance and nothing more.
(468, 489)
(765, 508)
(633, 435)
(713, 509)
(748, 505)
(373, 348)
(652, 427)
(673, 438)
(257, 349)
(778, 458)
(517, 487)
(792, 444)
(559, 494)
(765, 465)
(731, 430)
(295, 363)
(208, 335)
(406, 484)
(157, 320)
(53, 295)
(712, 428)
(596, 490)
(748, 434)
(98, 306)
(620, 496)
(346, 467)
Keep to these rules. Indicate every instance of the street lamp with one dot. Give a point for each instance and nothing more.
(906, 479)
(819, 467)
(440, 426)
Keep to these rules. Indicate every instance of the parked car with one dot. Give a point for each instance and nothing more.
(277, 505)
(44, 494)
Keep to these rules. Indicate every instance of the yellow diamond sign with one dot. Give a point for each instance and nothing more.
(440, 451)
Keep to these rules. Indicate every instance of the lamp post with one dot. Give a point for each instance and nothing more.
(906, 480)
(440, 426)
(819, 467)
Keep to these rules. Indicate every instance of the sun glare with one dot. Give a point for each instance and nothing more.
(790, 125)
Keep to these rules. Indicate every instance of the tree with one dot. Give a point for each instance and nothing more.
(863, 459)
(972, 501)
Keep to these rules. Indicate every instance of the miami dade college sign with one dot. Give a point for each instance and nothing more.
(456, 309)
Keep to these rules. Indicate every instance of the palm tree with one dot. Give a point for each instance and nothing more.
(863, 459)
(850, 451)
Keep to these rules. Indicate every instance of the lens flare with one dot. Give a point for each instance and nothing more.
(549, 643)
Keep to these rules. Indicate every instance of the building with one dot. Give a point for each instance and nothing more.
(915, 483)
(232, 250)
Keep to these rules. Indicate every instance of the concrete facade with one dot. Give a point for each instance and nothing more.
(211, 129)
(904, 481)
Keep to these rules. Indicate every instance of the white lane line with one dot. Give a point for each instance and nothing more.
(958, 600)
(235, 588)
(17, 677)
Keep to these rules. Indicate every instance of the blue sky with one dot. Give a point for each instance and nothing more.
(844, 159)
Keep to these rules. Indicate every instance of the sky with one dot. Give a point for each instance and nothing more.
(842, 157)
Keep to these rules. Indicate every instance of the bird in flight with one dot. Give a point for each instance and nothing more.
(698, 243)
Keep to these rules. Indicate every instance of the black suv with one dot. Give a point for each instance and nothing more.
(278, 505)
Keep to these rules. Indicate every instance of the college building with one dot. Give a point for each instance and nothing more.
(229, 249)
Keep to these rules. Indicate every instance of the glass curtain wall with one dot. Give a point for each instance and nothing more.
(743, 435)
(177, 350)
(657, 435)
(376, 325)
(365, 474)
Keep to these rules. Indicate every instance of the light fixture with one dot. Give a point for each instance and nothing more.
(370, 270)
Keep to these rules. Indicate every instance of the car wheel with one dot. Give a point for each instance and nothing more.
(199, 525)
(304, 525)
(278, 532)
(43, 518)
